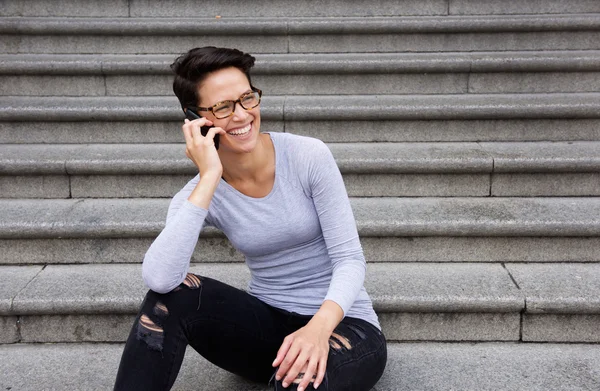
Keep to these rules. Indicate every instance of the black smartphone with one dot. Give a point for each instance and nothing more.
(192, 115)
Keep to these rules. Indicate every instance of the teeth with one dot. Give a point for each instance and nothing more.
(241, 131)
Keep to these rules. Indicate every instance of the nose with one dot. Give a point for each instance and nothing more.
(239, 113)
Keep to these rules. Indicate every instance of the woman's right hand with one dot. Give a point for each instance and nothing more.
(201, 149)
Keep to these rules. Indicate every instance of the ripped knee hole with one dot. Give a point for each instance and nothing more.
(336, 342)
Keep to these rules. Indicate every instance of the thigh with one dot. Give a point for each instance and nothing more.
(357, 356)
(234, 330)
(356, 360)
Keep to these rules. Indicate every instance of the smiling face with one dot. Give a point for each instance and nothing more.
(243, 126)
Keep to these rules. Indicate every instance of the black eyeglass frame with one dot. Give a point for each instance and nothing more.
(238, 100)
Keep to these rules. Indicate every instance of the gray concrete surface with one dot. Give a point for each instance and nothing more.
(477, 216)
(435, 130)
(376, 249)
(322, 84)
(112, 250)
(481, 249)
(544, 185)
(14, 280)
(52, 85)
(9, 331)
(75, 328)
(314, 63)
(94, 8)
(561, 328)
(396, 327)
(411, 366)
(159, 131)
(316, 107)
(386, 216)
(265, 8)
(54, 186)
(544, 156)
(431, 107)
(558, 82)
(103, 132)
(450, 326)
(415, 185)
(470, 7)
(559, 288)
(400, 287)
(417, 287)
(442, 42)
(82, 218)
(298, 25)
(110, 108)
(365, 185)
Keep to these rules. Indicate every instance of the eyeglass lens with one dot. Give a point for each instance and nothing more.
(247, 101)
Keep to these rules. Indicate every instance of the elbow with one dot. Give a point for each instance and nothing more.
(155, 280)
(155, 284)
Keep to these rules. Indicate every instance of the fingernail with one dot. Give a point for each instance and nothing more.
(316, 385)
(285, 385)
(300, 388)
(277, 377)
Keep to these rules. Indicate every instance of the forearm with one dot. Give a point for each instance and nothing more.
(167, 260)
(204, 190)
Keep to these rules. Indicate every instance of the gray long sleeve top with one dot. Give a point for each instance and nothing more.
(300, 241)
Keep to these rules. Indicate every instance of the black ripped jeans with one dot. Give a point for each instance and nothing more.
(240, 334)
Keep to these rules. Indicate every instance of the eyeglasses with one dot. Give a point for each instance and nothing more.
(226, 108)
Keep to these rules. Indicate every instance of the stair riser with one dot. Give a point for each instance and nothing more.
(384, 249)
(410, 366)
(561, 328)
(396, 327)
(363, 43)
(328, 131)
(236, 8)
(265, 8)
(400, 185)
(452, 83)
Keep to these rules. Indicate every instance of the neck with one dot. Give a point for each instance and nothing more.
(247, 166)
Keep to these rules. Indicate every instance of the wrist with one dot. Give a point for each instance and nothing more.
(328, 316)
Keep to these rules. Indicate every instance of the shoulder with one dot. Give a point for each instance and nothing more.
(301, 148)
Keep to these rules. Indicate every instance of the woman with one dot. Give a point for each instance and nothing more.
(306, 320)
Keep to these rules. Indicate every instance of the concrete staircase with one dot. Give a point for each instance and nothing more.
(468, 134)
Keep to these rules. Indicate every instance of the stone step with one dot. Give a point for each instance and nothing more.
(421, 229)
(376, 217)
(369, 169)
(415, 302)
(262, 8)
(302, 34)
(410, 366)
(395, 118)
(327, 74)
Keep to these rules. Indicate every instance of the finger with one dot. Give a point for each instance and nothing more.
(286, 364)
(285, 346)
(187, 132)
(295, 369)
(309, 370)
(322, 367)
(212, 132)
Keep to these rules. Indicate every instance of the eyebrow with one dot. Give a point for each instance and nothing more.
(231, 100)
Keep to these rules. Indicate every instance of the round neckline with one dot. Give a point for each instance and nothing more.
(239, 193)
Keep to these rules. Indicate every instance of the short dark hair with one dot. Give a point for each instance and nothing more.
(193, 67)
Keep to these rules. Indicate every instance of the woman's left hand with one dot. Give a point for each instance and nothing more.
(304, 351)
